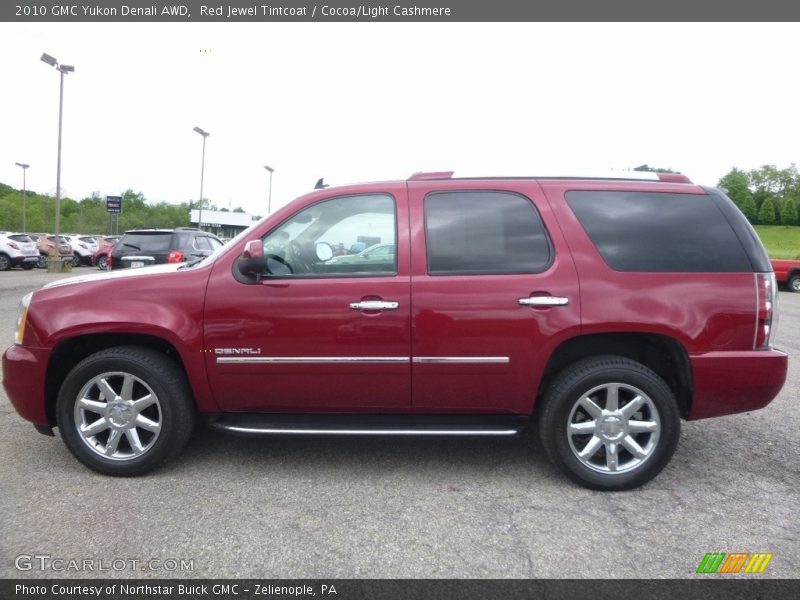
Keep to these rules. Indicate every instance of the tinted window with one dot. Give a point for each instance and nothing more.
(484, 233)
(24, 239)
(637, 231)
(151, 242)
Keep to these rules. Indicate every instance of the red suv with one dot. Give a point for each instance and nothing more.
(595, 306)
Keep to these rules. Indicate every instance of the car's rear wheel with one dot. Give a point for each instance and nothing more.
(102, 262)
(609, 423)
(76, 260)
(125, 411)
(42, 264)
(5, 263)
(794, 283)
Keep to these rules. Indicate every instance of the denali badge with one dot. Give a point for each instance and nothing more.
(250, 351)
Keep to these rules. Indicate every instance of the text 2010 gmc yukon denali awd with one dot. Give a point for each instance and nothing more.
(608, 309)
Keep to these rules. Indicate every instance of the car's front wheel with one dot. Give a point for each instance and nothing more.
(125, 411)
(102, 262)
(609, 423)
(76, 260)
(794, 283)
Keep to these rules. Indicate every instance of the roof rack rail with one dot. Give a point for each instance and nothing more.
(425, 175)
(674, 177)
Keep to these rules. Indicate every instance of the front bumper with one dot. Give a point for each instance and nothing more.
(726, 383)
(24, 371)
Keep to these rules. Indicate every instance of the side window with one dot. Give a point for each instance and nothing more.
(657, 231)
(484, 233)
(202, 242)
(315, 241)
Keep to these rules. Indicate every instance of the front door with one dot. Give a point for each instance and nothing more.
(322, 330)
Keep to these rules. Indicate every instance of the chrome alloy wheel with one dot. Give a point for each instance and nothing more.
(613, 428)
(118, 416)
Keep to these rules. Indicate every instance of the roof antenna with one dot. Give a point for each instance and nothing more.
(320, 184)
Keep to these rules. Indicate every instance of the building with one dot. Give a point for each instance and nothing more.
(222, 223)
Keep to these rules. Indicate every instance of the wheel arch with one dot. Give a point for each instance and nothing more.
(70, 352)
(664, 355)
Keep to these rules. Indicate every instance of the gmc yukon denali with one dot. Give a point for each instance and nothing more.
(589, 308)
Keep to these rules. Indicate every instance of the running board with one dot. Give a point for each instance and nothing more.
(359, 424)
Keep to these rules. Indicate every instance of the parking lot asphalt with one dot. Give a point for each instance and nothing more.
(387, 508)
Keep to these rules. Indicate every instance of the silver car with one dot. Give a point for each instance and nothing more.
(17, 250)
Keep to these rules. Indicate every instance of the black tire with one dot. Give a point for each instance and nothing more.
(5, 263)
(42, 264)
(608, 432)
(152, 373)
(102, 262)
(76, 260)
(793, 283)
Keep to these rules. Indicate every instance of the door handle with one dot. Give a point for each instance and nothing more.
(544, 301)
(375, 305)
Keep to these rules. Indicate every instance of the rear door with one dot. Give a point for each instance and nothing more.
(494, 290)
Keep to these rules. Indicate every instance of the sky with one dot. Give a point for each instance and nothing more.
(357, 102)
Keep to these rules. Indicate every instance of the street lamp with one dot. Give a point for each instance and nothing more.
(269, 200)
(63, 69)
(24, 168)
(205, 134)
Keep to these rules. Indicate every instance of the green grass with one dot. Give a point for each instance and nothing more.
(781, 241)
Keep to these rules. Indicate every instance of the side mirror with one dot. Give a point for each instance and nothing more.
(324, 251)
(251, 260)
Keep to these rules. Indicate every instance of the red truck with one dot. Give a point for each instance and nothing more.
(787, 273)
(588, 307)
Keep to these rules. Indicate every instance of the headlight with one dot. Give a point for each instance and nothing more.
(22, 317)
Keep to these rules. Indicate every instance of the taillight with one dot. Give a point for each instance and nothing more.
(767, 318)
(176, 256)
(13, 245)
(84, 246)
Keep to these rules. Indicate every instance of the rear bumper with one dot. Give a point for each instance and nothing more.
(23, 379)
(726, 383)
(18, 261)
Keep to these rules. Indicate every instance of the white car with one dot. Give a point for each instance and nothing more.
(17, 250)
(83, 247)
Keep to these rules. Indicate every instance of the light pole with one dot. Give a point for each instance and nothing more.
(205, 134)
(24, 168)
(269, 199)
(63, 69)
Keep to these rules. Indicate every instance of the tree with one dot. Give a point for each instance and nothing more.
(737, 185)
(788, 209)
(766, 215)
(646, 167)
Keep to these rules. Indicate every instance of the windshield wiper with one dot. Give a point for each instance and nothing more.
(189, 264)
(131, 246)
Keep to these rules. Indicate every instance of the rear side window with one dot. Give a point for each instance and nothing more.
(651, 231)
(484, 233)
(23, 239)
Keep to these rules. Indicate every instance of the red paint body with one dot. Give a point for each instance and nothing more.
(199, 310)
(784, 268)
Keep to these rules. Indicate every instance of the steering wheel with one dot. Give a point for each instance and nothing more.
(299, 258)
(281, 261)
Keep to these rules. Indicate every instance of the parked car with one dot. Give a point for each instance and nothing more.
(375, 254)
(100, 257)
(83, 247)
(147, 247)
(46, 245)
(602, 311)
(787, 272)
(17, 250)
